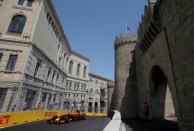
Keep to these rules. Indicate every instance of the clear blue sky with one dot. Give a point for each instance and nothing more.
(91, 26)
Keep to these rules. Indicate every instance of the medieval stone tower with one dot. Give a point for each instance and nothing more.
(124, 79)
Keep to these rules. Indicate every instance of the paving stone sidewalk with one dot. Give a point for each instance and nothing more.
(142, 125)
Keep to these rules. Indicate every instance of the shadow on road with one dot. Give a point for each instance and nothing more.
(142, 125)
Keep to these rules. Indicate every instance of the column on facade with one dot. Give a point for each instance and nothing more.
(72, 85)
(46, 101)
(104, 106)
(3, 93)
(8, 99)
(85, 106)
(93, 106)
(54, 99)
(38, 96)
(19, 98)
(52, 102)
(62, 101)
(98, 109)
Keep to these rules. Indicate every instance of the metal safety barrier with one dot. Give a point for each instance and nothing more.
(14, 118)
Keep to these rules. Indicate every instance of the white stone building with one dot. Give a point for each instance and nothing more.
(77, 81)
(33, 56)
(37, 65)
(97, 93)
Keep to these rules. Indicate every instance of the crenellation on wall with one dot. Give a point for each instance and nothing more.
(148, 30)
(123, 39)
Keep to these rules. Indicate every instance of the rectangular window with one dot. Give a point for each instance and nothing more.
(90, 107)
(49, 20)
(48, 16)
(30, 2)
(78, 69)
(38, 64)
(84, 73)
(11, 63)
(49, 72)
(20, 2)
(57, 77)
(55, 98)
(53, 76)
(30, 96)
(62, 80)
(44, 95)
(67, 84)
(1, 55)
(75, 85)
(70, 83)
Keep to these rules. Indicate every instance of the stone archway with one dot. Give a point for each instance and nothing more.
(66, 105)
(161, 103)
(102, 106)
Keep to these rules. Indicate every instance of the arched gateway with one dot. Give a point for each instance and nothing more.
(161, 103)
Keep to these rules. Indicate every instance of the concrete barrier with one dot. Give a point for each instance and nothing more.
(116, 123)
(13, 118)
(96, 114)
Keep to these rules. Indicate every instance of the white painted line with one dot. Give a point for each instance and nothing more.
(115, 124)
(122, 128)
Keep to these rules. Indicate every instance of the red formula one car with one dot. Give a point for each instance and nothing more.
(59, 119)
(82, 114)
(77, 115)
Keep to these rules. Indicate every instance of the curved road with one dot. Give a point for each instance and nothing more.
(90, 124)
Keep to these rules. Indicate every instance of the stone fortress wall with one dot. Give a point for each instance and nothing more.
(163, 64)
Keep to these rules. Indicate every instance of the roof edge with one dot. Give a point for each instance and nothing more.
(80, 55)
(98, 76)
(50, 3)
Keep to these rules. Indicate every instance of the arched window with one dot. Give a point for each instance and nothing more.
(70, 67)
(20, 2)
(84, 73)
(17, 24)
(30, 2)
(78, 69)
(48, 16)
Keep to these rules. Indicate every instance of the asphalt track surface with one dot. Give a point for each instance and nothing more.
(90, 124)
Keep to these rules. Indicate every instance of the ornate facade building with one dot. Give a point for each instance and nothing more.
(37, 65)
(77, 80)
(34, 51)
(111, 87)
(97, 93)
